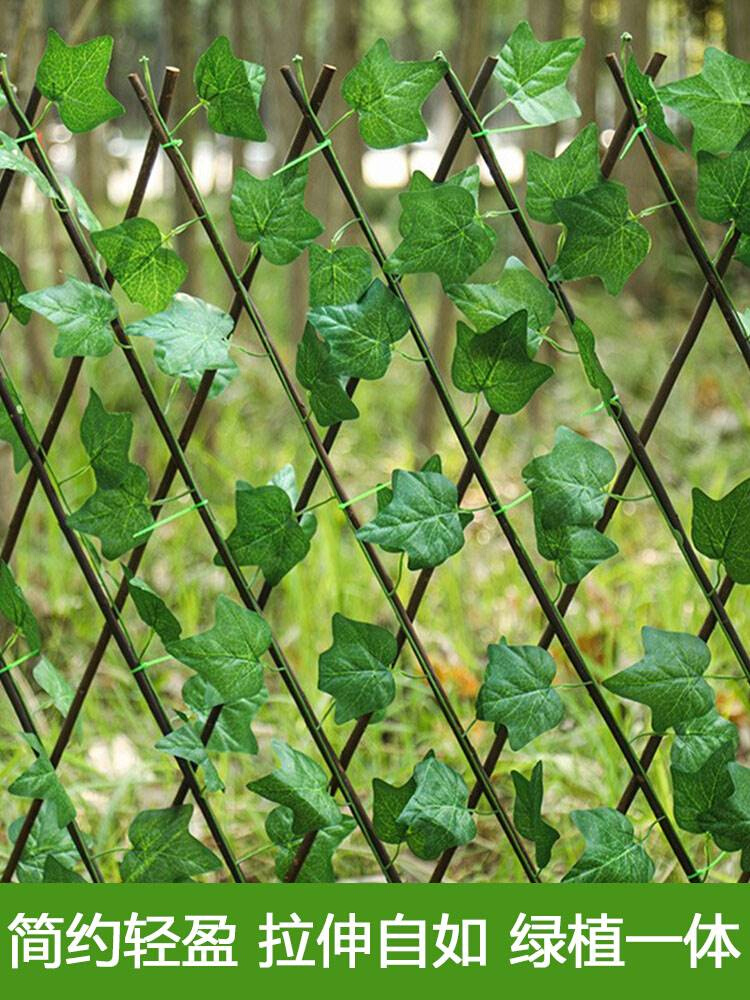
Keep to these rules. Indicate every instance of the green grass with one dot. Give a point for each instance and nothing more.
(112, 770)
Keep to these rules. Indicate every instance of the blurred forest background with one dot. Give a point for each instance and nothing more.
(112, 769)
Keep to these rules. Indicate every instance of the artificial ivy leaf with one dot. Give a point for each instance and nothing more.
(191, 337)
(361, 334)
(267, 533)
(551, 178)
(186, 742)
(233, 730)
(568, 494)
(300, 784)
(723, 189)
(40, 781)
(16, 610)
(742, 254)
(316, 371)
(533, 75)
(106, 436)
(338, 274)
(442, 233)
(592, 366)
(52, 682)
(669, 678)
(721, 529)
(73, 77)
(228, 655)
(46, 840)
(612, 854)
(527, 813)
(82, 313)
(487, 305)
(497, 363)
(12, 288)
(602, 237)
(163, 849)
(231, 88)
(115, 516)
(148, 272)
(318, 865)
(55, 872)
(436, 816)
(645, 94)
(388, 802)
(701, 751)
(388, 96)
(517, 692)
(286, 480)
(152, 610)
(271, 212)
(12, 157)
(83, 210)
(422, 519)
(729, 820)
(356, 669)
(9, 434)
(716, 101)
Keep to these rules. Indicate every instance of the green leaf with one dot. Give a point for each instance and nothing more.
(73, 77)
(191, 337)
(701, 751)
(724, 187)
(271, 212)
(40, 781)
(55, 872)
(318, 865)
(286, 480)
(361, 334)
(533, 75)
(721, 529)
(9, 434)
(12, 157)
(517, 692)
(356, 669)
(317, 372)
(12, 289)
(568, 494)
(388, 96)
(442, 233)
(114, 516)
(148, 272)
(552, 178)
(602, 239)
(646, 95)
(52, 682)
(232, 88)
(436, 816)
(152, 610)
(592, 366)
(729, 820)
(82, 313)
(83, 210)
(164, 850)
(267, 533)
(16, 610)
(612, 854)
(228, 655)
(742, 254)
(233, 730)
(487, 305)
(422, 519)
(338, 274)
(497, 363)
(302, 785)
(46, 840)
(527, 813)
(716, 101)
(388, 802)
(669, 678)
(106, 436)
(185, 742)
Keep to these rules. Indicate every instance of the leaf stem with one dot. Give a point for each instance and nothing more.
(645, 212)
(339, 121)
(363, 496)
(557, 346)
(75, 475)
(341, 230)
(186, 117)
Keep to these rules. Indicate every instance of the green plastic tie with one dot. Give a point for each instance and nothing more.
(19, 661)
(150, 663)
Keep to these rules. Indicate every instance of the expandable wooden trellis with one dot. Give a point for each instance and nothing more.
(322, 465)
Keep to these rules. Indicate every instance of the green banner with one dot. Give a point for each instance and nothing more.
(372, 938)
